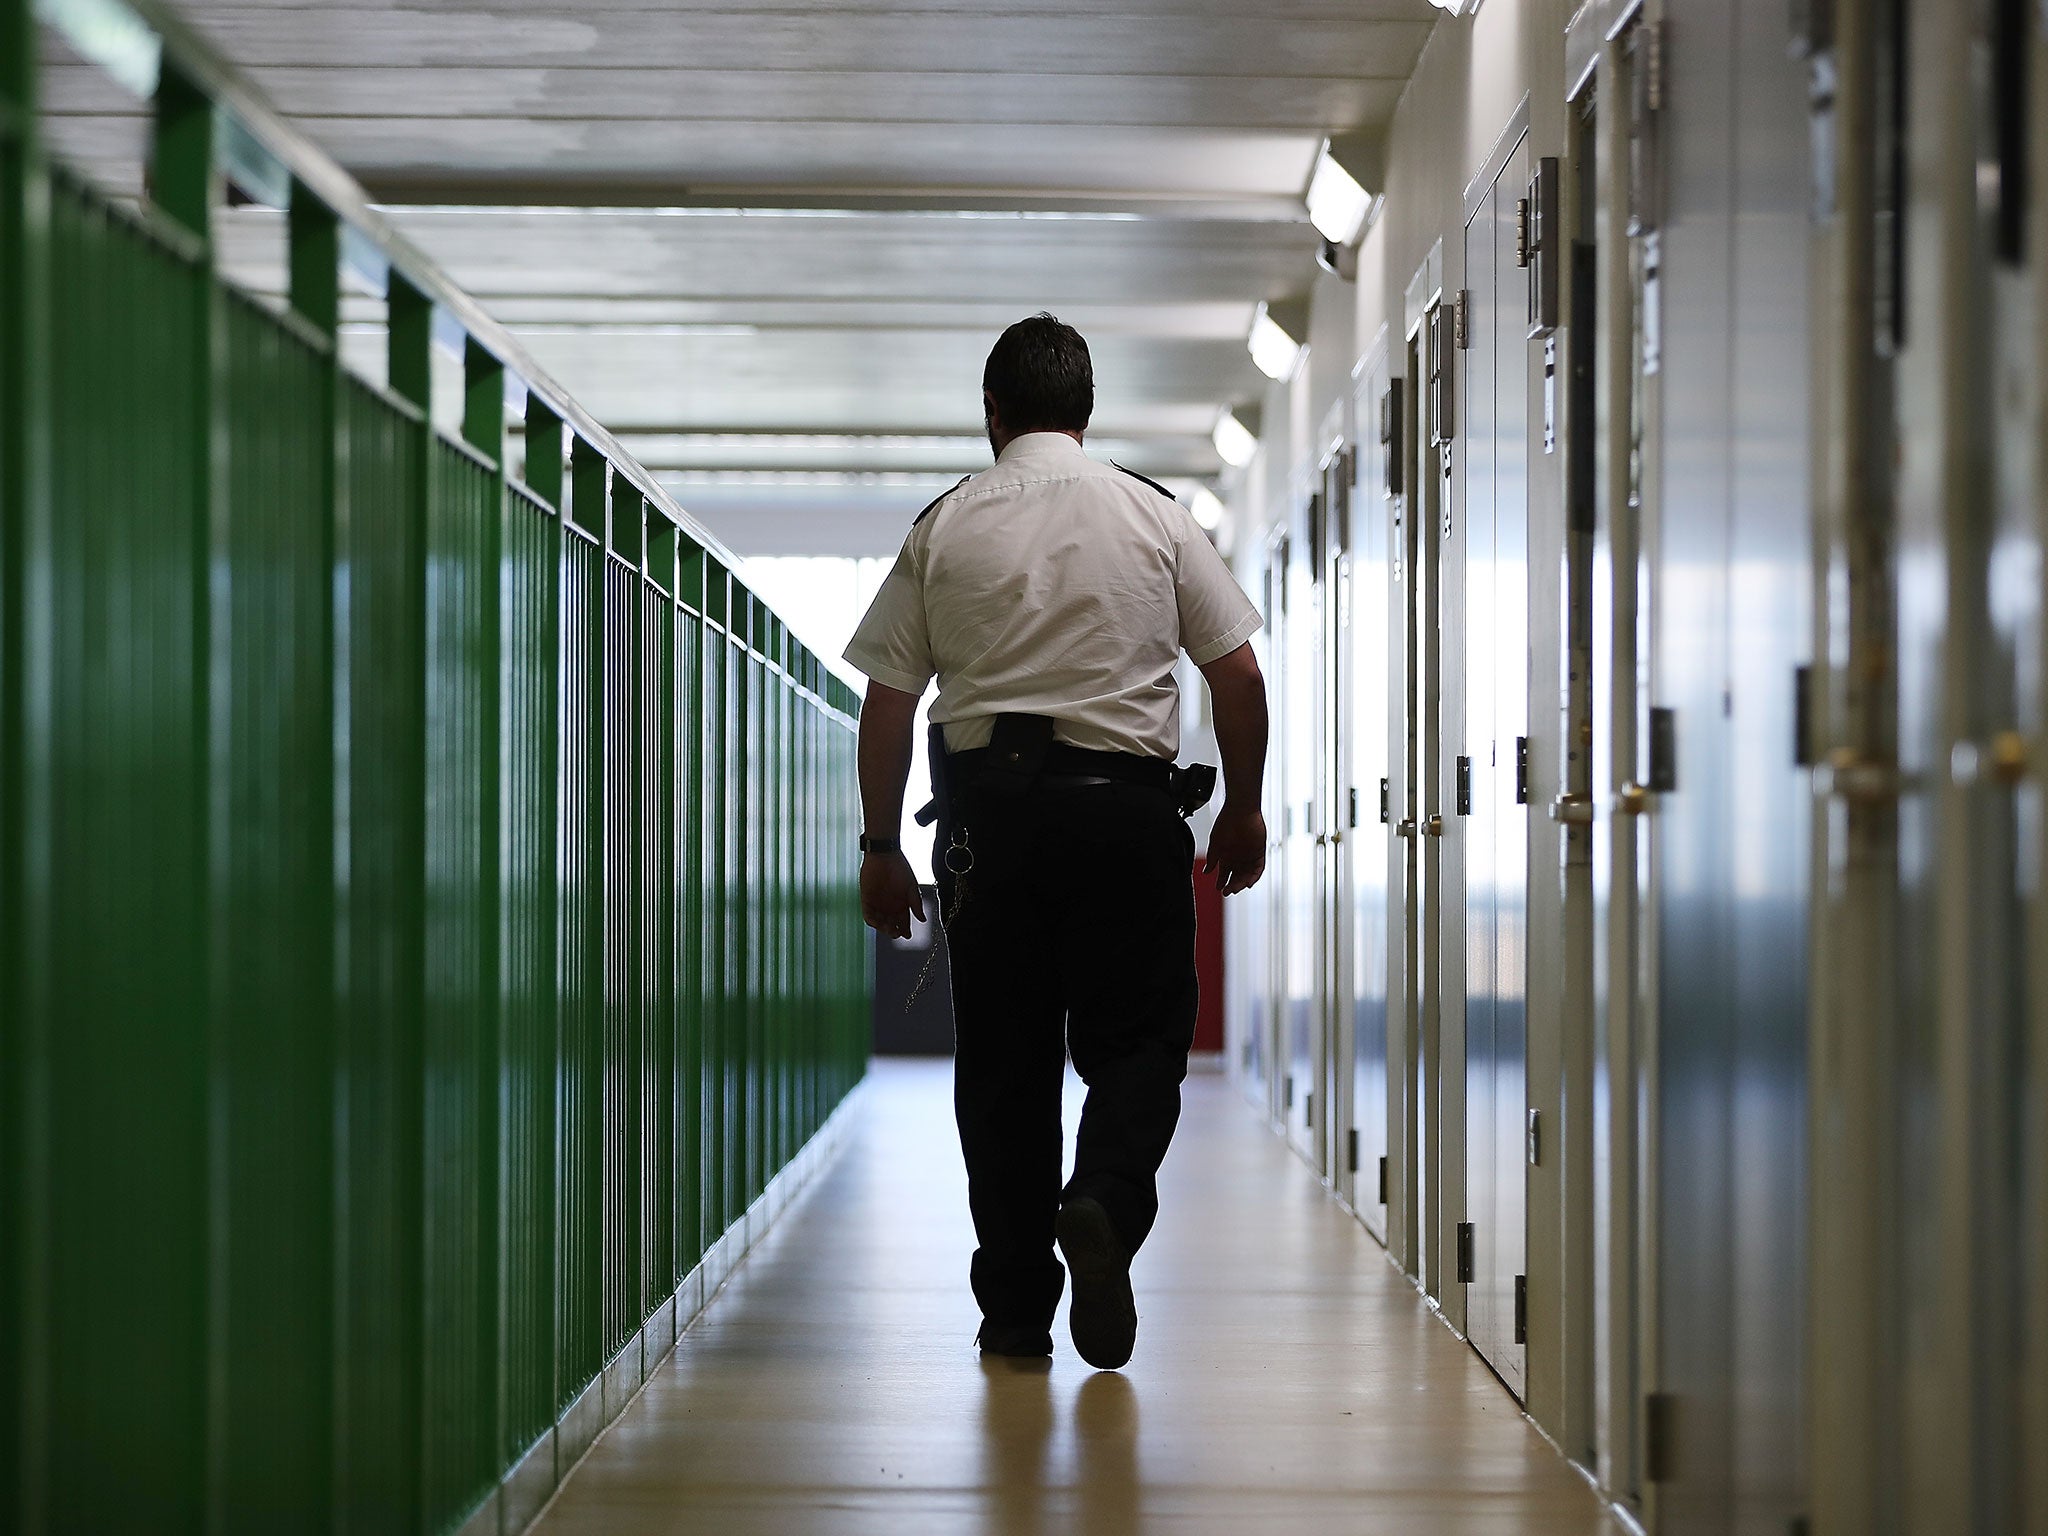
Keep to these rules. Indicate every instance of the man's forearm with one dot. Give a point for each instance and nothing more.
(887, 720)
(1238, 705)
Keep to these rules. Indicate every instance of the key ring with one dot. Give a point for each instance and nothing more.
(965, 859)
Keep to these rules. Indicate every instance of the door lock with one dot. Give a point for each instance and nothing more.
(2008, 757)
(1435, 827)
(1404, 828)
(1633, 800)
(1572, 810)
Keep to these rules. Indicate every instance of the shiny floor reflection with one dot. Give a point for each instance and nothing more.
(1286, 1380)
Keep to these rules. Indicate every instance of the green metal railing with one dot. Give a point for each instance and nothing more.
(426, 913)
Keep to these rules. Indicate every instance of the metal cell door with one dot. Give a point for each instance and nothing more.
(1490, 768)
(1301, 730)
(1369, 672)
(1332, 830)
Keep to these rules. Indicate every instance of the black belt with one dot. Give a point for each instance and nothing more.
(1071, 765)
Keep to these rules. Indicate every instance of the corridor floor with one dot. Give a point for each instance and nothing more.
(1286, 1379)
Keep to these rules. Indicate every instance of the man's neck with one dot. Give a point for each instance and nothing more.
(1002, 444)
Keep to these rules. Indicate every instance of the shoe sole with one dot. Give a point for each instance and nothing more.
(1104, 1314)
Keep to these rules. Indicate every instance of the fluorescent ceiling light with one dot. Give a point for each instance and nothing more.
(1337, 204)
(1234, 441)
(1207, 510)
(1277, 353)
(1455, 7)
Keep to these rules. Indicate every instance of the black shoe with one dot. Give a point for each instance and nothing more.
(1015, 1340)
(1104, 1316)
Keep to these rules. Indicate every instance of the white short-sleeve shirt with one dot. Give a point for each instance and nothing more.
(1054, 585)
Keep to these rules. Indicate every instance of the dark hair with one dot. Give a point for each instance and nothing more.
(1041, 377)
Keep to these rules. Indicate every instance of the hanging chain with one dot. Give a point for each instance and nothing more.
(959, 860)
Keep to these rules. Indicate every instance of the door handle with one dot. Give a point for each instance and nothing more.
(1404, 828)
(1435, 827)
(1633, 800)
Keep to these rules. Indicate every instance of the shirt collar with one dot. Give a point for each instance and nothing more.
(1040, 447)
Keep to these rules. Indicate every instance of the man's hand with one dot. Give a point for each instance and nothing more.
(1237, 848)
(889, 893)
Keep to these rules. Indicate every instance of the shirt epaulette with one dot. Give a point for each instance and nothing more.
(949, 490)
(1162, 490)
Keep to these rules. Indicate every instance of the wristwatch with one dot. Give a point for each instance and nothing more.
(880, 844)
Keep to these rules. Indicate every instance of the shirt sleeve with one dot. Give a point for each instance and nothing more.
(1215, 615)
(892, 644)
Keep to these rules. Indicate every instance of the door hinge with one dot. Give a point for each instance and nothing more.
(1385, 798)
(1464, 786)
(1351, 1152)
(1545, 247)
(1383, 1181)
(1354, 805)
(1662, 776)
(1535, 1137)
(1308, 1109)
(1288, 1091)
(1521, 1309)
(1461, 330)
(1802, 717)
(1653, 65)
(1464, 1253)
(1521, 770)
(1392, 428)
(1521, 232)
(1658, 1412)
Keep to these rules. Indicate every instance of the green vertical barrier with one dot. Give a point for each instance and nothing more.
(24, 309)
(688, 799)
(126, 1023)
(463, 515)
(580, 1156)
(445, 897)
(530, 641)
(658, 1086)
(378, 763)
(755, 866)
(714, 786)
(273, 905)
(732, 1151)
(622, 852)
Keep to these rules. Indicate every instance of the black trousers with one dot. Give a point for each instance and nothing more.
(1075, 934)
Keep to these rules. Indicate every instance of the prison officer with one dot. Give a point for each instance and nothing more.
(1051, 596)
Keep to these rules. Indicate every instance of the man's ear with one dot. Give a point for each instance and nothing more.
(988, 408)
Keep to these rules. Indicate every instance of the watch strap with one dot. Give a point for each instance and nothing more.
(880, 844)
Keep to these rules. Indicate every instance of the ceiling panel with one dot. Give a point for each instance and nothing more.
(993, 42)
(775, 241)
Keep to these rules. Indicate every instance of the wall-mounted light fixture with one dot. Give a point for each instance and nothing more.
(1456, 7)
(1236, 435)
(1206, 508)
(1337, 202)
(1350, 173)
(1278, 337)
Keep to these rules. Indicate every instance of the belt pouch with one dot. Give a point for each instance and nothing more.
(1016, 754)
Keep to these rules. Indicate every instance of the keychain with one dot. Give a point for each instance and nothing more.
(959, 859)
